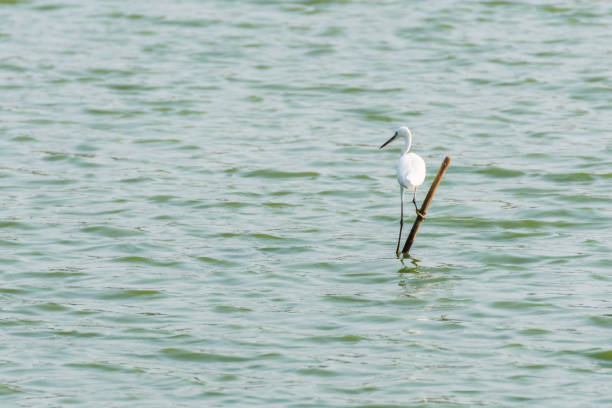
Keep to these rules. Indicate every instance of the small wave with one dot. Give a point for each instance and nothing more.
(271, 173)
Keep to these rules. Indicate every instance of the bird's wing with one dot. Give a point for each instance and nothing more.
(411, 170)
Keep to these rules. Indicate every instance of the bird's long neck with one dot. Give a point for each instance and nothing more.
(407, 144)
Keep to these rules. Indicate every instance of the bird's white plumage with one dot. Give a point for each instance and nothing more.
(410, 167)
(410, 170)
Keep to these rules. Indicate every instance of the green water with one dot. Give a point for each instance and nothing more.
(194, 210)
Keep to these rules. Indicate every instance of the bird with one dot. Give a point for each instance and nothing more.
(410, 174)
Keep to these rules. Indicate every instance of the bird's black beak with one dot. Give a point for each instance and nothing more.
(389, 141)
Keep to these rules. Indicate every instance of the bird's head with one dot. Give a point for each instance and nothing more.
(402, 132)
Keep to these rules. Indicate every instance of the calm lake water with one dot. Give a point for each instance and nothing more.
(194, 210)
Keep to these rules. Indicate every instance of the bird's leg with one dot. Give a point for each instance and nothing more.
(419, 213)
(399, 239)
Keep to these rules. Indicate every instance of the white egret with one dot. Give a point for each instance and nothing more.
(410, 173)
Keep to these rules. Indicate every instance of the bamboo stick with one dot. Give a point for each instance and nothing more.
(425, 206)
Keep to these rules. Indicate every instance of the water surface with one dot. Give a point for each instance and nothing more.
(194, 210)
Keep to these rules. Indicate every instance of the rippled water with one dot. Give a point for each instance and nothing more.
(194, 210)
